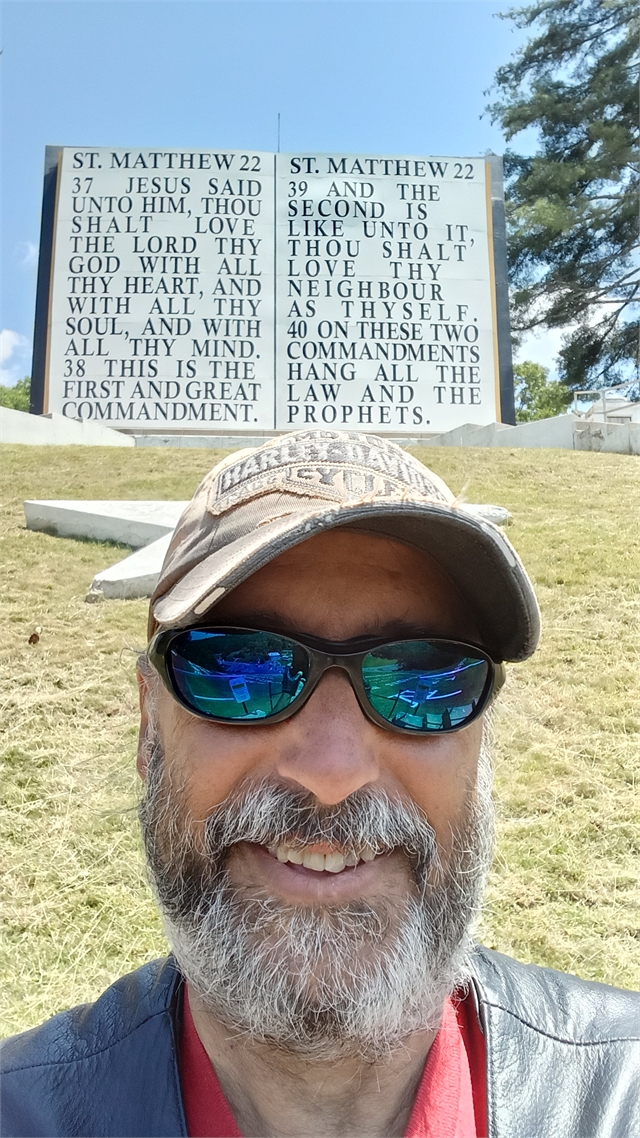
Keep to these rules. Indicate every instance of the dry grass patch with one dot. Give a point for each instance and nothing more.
(563, 892)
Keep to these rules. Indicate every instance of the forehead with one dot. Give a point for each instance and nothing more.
(346, 583)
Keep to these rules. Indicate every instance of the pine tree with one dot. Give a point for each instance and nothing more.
(572, 208)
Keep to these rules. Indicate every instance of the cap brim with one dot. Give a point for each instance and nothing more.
(475, 553)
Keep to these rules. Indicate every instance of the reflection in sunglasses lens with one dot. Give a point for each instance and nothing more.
(424, 687)
(237, 675)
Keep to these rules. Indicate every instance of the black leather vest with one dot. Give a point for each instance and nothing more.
(563, 1059)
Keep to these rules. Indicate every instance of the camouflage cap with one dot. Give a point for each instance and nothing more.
(256, 504)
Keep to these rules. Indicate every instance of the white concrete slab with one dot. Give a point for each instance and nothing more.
(496, 514)
(132, 523)
(135, 576)
(55, 430)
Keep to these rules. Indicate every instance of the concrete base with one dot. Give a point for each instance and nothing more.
(239, 442)
(568, 432)
(556, 432)
(619, 438)
(133, 577)
(213, 442)
(564, 432)
(132, 523)
(469, 435)
(485, 436)
(55, 430)
(458, 437)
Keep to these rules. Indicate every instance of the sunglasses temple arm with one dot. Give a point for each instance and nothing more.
(500, 674)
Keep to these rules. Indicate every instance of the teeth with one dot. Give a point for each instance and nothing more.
(327, 863)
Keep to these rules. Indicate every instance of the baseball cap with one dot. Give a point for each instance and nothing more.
(257, 503)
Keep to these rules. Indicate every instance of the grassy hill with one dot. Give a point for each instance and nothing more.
(77, 911)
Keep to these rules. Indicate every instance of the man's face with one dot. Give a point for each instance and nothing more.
(223, 799)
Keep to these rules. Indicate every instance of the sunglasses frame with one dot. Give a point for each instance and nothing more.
(346, 655)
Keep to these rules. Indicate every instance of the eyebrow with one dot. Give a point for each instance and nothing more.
(270, 620)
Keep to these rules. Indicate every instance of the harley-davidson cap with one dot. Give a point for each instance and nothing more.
(257, 503)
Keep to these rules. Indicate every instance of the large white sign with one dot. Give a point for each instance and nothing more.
(242, 291)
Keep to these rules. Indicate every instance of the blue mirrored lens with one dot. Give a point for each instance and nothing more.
(237, 675)
(423, 686)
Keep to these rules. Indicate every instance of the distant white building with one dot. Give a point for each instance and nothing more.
(618, 410)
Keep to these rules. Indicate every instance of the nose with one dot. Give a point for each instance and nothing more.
(329, 747)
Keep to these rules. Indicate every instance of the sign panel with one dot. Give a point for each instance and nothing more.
(162, 290)
(247, 292)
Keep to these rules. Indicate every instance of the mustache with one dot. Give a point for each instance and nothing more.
(269, 813)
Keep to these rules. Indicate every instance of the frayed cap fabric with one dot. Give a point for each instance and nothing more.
(256, 504)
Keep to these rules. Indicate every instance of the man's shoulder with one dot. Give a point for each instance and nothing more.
(562, 1053)
(88, 1029)
(82, 1071)
(556, 1004)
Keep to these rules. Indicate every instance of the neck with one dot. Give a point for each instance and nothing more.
(280, 1095)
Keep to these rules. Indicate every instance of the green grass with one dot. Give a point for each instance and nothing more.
(563, 892)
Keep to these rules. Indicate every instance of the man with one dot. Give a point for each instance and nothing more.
(326, 639)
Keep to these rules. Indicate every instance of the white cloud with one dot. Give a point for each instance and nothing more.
(9, 342)
(14, 356)
(542, 347)
(27, 254)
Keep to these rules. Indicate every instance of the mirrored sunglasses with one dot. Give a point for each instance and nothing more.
(248, 675)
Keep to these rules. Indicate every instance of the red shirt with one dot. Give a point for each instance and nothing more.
(450, 1100)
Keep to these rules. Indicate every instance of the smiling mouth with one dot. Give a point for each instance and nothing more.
(310, 858)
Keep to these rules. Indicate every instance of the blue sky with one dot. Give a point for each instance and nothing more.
(382, 77)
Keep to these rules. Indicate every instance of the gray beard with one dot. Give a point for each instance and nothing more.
(328, 982)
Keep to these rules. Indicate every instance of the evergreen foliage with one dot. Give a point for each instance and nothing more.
(572, 208)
